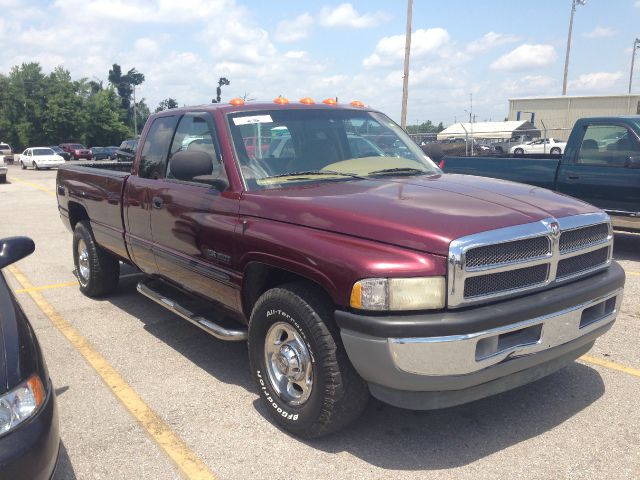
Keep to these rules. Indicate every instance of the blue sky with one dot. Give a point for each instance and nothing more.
(496, 49)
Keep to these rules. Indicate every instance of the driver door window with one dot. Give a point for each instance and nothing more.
(608, 146)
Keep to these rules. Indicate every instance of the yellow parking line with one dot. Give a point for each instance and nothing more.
(612, 365)
(633, 273)
(191, 466)
(33, 185)
(47, 287)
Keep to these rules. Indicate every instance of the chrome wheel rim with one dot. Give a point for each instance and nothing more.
(288, 362)
(83, 262)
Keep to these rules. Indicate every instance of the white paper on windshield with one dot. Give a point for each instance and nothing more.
(252, 119)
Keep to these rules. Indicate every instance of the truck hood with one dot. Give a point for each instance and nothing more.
(420, 213)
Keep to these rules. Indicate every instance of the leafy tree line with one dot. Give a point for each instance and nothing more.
(47, 109)
(425, 127)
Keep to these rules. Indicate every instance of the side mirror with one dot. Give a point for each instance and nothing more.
(13, 249)
(632, 162)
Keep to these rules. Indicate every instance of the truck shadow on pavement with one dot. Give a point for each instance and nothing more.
(386, 436)
(626, 246)
(64, 469)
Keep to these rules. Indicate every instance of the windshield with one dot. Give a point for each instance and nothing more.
(43, 151)
(285, 147)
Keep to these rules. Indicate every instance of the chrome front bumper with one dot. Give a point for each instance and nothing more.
(464, 354)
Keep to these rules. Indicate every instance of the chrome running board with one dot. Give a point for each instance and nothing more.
(145, 287)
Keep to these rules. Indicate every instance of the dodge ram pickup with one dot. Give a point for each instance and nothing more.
(350, 272)
(601, 165)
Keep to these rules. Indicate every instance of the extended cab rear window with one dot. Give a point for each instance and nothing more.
(279, 148)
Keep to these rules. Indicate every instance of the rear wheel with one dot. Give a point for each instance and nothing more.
(22, 165)
(555, 151)
(97, 271)
(299, 363)
(518, 151)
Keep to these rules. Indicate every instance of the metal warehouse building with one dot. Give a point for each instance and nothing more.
(558, 114)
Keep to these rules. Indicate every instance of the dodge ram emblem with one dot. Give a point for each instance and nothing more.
(555, 229)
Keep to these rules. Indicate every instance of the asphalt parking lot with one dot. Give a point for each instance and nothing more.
(143, 394)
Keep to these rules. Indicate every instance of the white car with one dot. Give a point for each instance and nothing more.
(3, 170)
(40, 157)
(543, 145)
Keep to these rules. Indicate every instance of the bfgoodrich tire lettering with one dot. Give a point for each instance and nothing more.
(338, 395)
(98, 272)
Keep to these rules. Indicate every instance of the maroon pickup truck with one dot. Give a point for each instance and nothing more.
(351, 269)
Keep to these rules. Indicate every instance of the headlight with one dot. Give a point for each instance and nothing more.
(20, 403)
(399, 293)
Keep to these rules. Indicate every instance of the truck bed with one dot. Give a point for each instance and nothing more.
(540, 172)
(97, 188)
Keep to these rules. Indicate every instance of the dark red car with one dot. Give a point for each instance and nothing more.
(350, 271)
(77, 151)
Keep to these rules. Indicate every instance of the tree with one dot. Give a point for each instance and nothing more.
(124, 85)
(65, 117)
(221, 82)
(104, 125)
(167, 104)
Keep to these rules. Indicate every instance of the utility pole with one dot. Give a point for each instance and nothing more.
(566, 59)
(135, 115)
(405, 78)
(636, 46)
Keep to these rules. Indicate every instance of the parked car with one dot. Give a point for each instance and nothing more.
(543, 145)
(348, 276)
(6, 153)
(103, 153)
(61, 152)
(606, 176)
(29, 431)
(504, 146)
(127, 150)
(77, 151)
(40, 157)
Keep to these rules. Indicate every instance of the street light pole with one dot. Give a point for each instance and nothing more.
(566, 59)
(636, 46)
(405, 78)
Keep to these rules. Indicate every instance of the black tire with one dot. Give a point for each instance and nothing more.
(338, 394)
(35, 166)
(3, 179)
(555, 151)
(22, 165)
(518, 151)
(103, 268)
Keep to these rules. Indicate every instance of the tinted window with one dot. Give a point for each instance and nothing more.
(156, 147)
(43, 151)
(194, 134)
(607, 145)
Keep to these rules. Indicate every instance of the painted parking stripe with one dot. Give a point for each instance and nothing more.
(189, 464)
(633, 273)
(601, 362)
(47, 287)
(33, 185)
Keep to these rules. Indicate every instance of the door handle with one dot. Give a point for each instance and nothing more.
(157, 202)
(573, 177)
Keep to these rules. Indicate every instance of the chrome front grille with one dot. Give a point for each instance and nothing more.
(583, 237)
(508, 252)
(508, 261)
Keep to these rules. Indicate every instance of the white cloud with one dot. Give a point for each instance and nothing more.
(530, 85)
(597, 82)
(294, 30)
(600, 32)
(491, 40)
(526, 57)
(390, 50)
(345, 15)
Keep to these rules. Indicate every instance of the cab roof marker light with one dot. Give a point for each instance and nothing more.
(307, 101)
(357, 103)
(330, 101)
(236, 101)
(281, 100)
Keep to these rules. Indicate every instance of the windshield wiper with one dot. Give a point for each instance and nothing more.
(315, 172)
(400, 170)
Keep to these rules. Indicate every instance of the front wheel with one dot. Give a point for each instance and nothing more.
(299, 363)
(22, 165)
(98, 272)
(518, 151)
(555, 151)
(35, 165)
